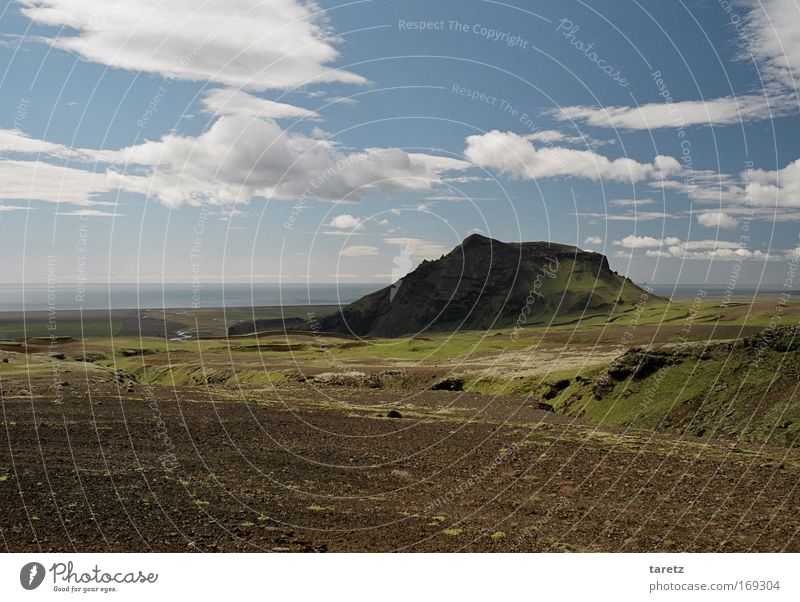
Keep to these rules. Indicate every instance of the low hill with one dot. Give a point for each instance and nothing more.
(484, 283)
(745, 389)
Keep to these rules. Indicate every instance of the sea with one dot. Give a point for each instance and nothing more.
(32, 297)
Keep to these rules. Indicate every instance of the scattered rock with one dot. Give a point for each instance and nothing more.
(448, 384)
(135, 352)
(555, 388)
(347, 379)
(90, 357)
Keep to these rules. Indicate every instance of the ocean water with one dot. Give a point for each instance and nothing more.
(15, 297)
(32, 297)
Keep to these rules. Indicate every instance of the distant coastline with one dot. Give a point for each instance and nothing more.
(182, 295)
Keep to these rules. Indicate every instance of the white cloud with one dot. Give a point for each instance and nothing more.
(516, 155)
(645, 242)
(237, 158)
(631, 202)
(775, 188)
(716, 219)
(593, 240)
(772, 36)
(15, 141)
(655, 115)
(639, 216)
(243, 43)
(89, 213)
(227, 101)
(673, 247)
(36, 180)
(359, 251)
(420, 249)
(554, 136)
(768, 31)
(346, 221)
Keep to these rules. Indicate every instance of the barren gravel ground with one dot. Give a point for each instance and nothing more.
(298, 468)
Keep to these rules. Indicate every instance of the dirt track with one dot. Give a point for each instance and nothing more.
(303, 469)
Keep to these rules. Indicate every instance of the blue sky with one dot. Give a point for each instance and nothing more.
(294, 141)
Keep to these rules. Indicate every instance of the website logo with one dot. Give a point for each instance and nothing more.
(31, 575)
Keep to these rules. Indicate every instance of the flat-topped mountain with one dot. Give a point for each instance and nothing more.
(484, 283)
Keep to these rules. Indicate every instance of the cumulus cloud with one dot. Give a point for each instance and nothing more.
(242, 43)
(639, 216)
(645, 242)
(517, 156)
(89, 213)
(239, 158)
(554, 136)
(772, 36)
(420, 249)
(236, 159)
(227, 101)
(593, 240)
(673, 247)
(631, 202)
(774, 188)
(768, 31)
(346, 221)
(359, 251)
(716, 219)
(37, 180)
(656, 115)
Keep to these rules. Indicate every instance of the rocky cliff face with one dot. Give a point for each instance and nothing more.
(485, 283)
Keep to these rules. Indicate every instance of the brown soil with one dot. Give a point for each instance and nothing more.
(299, 468)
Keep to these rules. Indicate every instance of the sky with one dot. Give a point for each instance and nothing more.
(291, 141)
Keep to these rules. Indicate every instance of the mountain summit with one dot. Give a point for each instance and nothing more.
(484, 283)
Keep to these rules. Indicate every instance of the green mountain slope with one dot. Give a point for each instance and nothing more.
(485, 283)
